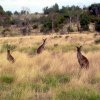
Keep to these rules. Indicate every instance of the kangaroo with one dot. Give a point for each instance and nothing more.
(9, 56)
(83, 61)
(41, 47)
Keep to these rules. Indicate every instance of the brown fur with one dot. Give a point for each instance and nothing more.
(41, 47)
(83, 61)
(9, 57)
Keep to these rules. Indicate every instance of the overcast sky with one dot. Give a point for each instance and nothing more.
(38, 5)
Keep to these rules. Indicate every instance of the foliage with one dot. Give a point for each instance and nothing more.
(55, 80)
(69, 29)
(7, 79)
(94, 80)
(97, 41)
(4, 32)
(35, 26)
(3, 17)
(78, 94)
(47, 10)
(46, 27)
(40, 88)
(32, 51)
(13, 21)
(16, 13)
(97, 25)
(9, 13)
(62, 95)
(56, 19)
(24, 31)
(94, 9)
(4, 47)
(1, 8)
(84, 21)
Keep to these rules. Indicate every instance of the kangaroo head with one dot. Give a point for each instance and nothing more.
(79, 48)
(8, 51)
(44, 40)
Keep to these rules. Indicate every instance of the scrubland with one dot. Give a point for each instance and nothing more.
(54, 74)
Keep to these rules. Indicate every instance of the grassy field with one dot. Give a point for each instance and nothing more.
(54, 74)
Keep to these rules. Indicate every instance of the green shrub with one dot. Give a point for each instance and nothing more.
(60, 36)
(55, 80)
(55, 37)
(55, 45)
(97, 41)
(4, 47)
(69, 29)
(83, 94)
(64, 78)
(94, 80)
(95, 35)
(66, 37)
(24, 49)
(40, 88)
(68, 48)
(62, 96)
(51, 81)
(46, 28)
(84, 21)
(35, 26)
(97, 25)
(33, 50)
(7, 79)
(56, 29)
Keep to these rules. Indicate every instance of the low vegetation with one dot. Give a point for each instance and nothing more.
(54, 74)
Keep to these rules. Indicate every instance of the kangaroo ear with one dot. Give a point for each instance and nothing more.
(80, 46)
(76, 46)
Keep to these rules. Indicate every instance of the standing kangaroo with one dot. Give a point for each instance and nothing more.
(9, 56)
(41, 47)
(83, 61)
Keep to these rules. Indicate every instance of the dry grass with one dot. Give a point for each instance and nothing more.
(52, 75)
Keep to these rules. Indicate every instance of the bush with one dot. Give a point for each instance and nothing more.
(97, 26)
(55, 80)
(69, 29)
(66, 37)
(62, 96)
(40, 88)
(33, 50)
(7, 79)
(35, 26)
(84, 21)
(24, 31)
(24, 49)
(55, 45)
(46, 28)
(94, 80)
(97, 41)
(4, 47)
(56, 29)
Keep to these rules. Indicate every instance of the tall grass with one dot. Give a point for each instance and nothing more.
(54, 74)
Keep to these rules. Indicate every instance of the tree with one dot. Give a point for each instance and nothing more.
(9, 13)
(1, 8)
(94, 9)
(97, 25)
(56, 7)
(46, 10)
(4, 18)
(84, 21)
(16, 13)
(23, 12)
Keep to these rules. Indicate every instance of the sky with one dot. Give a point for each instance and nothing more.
(38, 5)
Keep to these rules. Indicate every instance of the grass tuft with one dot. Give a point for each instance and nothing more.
(7, 79)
